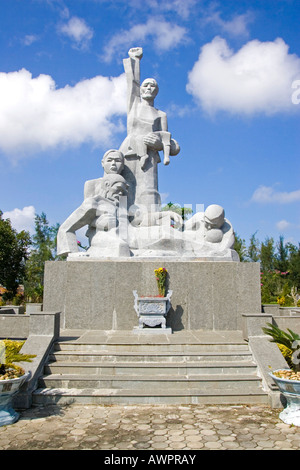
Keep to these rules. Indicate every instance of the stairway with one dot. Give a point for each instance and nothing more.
(126, 368)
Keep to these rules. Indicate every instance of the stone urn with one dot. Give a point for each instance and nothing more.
(290, 389)
(8, 389)
(152, 311)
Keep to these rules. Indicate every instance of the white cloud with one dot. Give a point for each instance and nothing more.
(283, 225)
(29, 39)
(179, 110)
(78, 31)
(267, 194)
(35, 115)
(21, 219)
(256, 79)
(237, 26)
(182, 8)
(164, 36)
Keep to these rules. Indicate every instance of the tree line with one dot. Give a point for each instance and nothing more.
(279, 265)
(22, 260)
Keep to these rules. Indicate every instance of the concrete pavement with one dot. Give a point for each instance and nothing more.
(150, 427)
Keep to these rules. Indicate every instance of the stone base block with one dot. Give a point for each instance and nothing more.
(98, 294)
(152, 331)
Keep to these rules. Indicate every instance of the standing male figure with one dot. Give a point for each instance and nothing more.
(147, 134)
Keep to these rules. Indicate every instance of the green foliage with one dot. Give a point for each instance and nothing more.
(13, 254)
(274, 286)
(280, 268)
(288, 343)
(287, 354)
(44, 249)
(281, 337)
(240, 248)
(294, 265)
(13, 355)
(267, 255)
(254, 249)
(183, 211)
(281, 261)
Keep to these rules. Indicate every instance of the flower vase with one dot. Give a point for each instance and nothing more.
(290, 389)
(8, 389)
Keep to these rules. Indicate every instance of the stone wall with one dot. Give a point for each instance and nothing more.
(98, 294)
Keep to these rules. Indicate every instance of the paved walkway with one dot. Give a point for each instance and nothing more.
(154, 428)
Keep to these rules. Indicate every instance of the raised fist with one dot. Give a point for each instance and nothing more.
(135, 52)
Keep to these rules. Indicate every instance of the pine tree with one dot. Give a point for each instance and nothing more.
(267, 255)
(254, 249)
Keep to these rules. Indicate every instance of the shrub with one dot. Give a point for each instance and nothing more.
(10, 355)
(288, 343)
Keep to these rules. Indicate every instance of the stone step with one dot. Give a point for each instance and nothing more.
(154, 356)
(153, 368)
(150, 346)
(204, 382)
(63, 396)
(105, 368)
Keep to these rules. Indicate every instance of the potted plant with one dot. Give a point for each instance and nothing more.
(152, 310)
(12, 377)
(287, 380)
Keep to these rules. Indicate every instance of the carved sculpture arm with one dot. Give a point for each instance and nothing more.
(132, 72)
(164, 121)
(228, 237)
(177, 219)
(153, 141)
(66, 236)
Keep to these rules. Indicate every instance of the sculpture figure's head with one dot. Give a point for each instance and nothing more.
(113, 162)
(113, 186)
(149, 89)
(214, 217)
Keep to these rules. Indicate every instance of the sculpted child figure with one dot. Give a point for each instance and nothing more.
(212, 228)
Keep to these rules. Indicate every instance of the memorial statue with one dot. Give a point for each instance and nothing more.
(122, 209)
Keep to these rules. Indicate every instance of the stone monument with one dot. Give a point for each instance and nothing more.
(122, 210)
(129, 236)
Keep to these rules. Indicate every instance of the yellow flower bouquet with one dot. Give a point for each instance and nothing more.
(161, 276)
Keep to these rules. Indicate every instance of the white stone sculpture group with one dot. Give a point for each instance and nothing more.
(122, 209)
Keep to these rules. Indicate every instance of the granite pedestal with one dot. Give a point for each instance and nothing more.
(99, 294)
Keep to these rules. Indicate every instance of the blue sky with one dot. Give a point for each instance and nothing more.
(229, 80)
